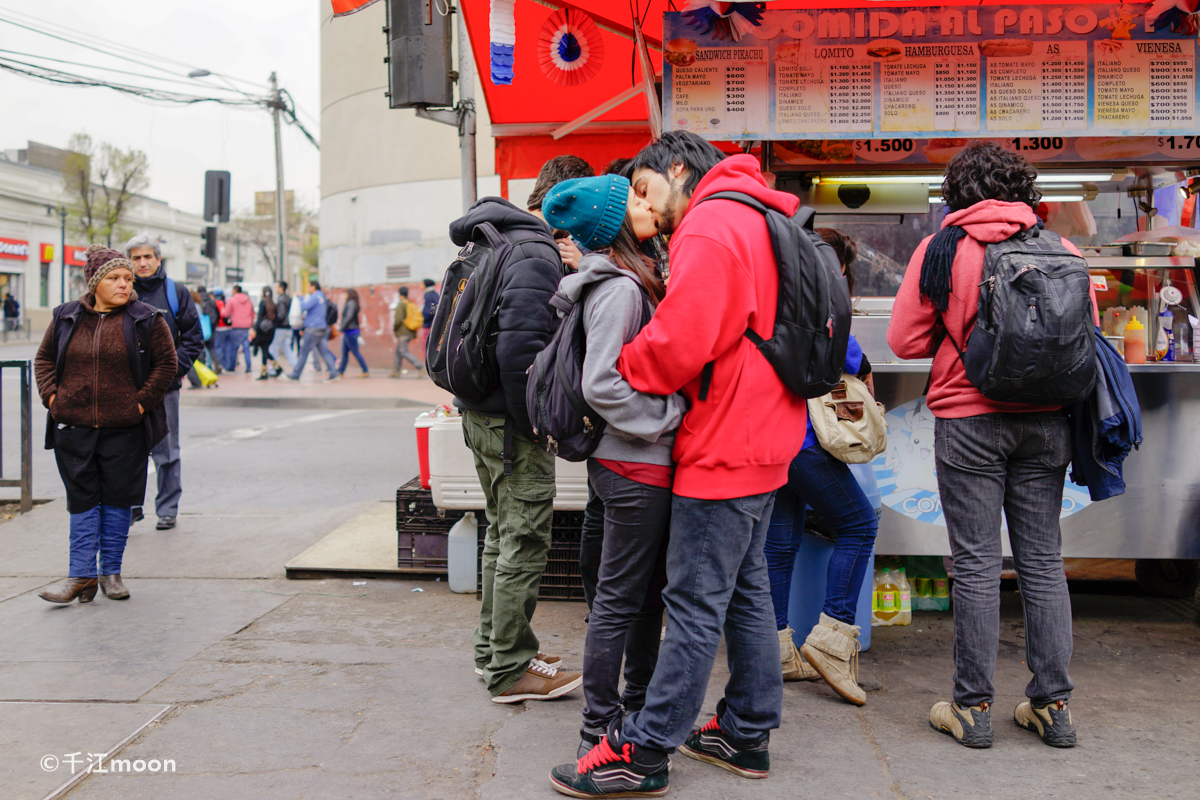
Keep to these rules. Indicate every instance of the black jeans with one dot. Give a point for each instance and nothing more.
(1016, 463)
(626, 615)
(591, 544)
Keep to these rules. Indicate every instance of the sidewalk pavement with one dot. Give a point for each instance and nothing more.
(313, 390)
(365, 689)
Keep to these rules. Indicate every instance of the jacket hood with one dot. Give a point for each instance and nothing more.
(741, 173)
(153, 282)
(594, 268)
(992, 221)
(498, 211)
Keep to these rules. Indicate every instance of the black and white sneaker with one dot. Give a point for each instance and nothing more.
(1052, 722)
(714, 746)
(614, 769)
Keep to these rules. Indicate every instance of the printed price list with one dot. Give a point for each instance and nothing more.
(1046, 90)
(723, 92)
(936, 91)
(823, 89)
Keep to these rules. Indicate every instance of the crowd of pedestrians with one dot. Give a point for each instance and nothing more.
(669, 268)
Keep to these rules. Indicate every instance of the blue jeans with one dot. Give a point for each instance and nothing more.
(350, 345)
(314, 338)
(101, 529)
(819, 480)
(716, 582)
(237, 338)
(1016, 463)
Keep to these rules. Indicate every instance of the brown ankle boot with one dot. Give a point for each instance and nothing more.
(113, 588)
(83, 588)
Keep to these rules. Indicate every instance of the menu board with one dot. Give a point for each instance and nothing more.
(1098, 70)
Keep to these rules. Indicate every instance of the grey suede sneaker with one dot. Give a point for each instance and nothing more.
(1052, 722)
(970, 727)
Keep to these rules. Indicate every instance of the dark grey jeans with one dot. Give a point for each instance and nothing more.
(1015, 463)
(627, 610)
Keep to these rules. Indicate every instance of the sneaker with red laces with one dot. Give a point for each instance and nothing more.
(714, 746)
(540, 682)
(608, 772)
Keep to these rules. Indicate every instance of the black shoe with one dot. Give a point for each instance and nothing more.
(136, 515)
(971, 727)
(713, 746)
(609, 772)
(165, 523)
(1052, 722)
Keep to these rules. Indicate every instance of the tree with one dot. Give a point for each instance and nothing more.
(101, 183)
(261, 232)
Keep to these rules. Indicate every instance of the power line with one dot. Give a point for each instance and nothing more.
(69, 79)
(110, 69)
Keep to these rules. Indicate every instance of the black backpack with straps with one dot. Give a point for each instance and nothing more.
(812, 319)
(560, 415)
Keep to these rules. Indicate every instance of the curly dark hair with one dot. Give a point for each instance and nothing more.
(986, 171)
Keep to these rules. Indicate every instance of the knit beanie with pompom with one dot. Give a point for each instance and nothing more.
(102, 260)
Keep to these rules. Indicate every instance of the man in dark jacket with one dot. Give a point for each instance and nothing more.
(151, 284)
(517, 476)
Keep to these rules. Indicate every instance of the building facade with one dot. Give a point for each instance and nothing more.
(41, 273)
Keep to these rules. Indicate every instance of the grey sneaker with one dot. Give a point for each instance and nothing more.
(1052, 722)
(970, 727)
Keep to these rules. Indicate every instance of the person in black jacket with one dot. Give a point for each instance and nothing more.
(431, 302)
(152, 285)
(515, 472)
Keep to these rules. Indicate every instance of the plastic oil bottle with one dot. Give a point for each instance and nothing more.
(905, 615)
(885, 605)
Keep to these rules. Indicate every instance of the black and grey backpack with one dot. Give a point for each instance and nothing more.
(1033, 340)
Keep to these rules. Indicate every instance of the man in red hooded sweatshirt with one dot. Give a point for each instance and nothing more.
(732, 453)
(990, 456)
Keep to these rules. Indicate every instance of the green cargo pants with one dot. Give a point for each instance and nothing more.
(519, 512)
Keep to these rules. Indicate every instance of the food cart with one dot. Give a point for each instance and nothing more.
(856, 110)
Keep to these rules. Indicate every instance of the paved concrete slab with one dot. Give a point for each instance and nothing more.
(47, 745)
(364, 543)
(15, 587)
(247, 544)
(119, 650)
(313, 391)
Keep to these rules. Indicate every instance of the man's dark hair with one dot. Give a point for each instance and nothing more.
(282, 285)
(428, 283)
(554, 172)
(696, 155)
(986, 171)
(237, 287)
(403, 291)
(316, 285)
(201, 288)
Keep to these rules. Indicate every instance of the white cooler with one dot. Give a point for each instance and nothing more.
(454, 482)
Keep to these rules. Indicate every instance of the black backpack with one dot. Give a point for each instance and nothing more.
(331, 312)
(1033, 337)
(282, 310)
(460, 354)
(554, 395)
(812, 317)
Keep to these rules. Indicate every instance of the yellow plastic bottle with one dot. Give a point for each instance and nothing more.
(905, 615)
(886, 603)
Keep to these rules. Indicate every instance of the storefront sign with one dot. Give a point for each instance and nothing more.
(907, 473)
(47, 253)
(1038, 72)
(76, 256)
(14, 248)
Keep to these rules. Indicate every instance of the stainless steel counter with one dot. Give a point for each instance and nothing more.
(1157, 517)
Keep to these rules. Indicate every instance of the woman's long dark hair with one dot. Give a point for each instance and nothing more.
(626, 251)
(846, 249)
(352, 295)
(269, 302)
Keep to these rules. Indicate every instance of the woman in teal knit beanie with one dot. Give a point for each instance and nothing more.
(631, 469)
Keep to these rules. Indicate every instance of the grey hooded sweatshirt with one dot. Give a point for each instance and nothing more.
(641, 427)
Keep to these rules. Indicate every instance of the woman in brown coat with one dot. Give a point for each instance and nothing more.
(102, 370)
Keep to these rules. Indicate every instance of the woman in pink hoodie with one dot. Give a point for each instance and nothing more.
(990, 457)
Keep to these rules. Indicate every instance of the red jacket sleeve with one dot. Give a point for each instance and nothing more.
(705, 312)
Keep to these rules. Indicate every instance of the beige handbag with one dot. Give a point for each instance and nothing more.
(848, 422)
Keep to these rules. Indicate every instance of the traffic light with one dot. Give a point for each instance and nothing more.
(209, 235)
(216, 196)
(418, 59)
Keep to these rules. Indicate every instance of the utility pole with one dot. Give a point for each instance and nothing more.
(276, 105)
